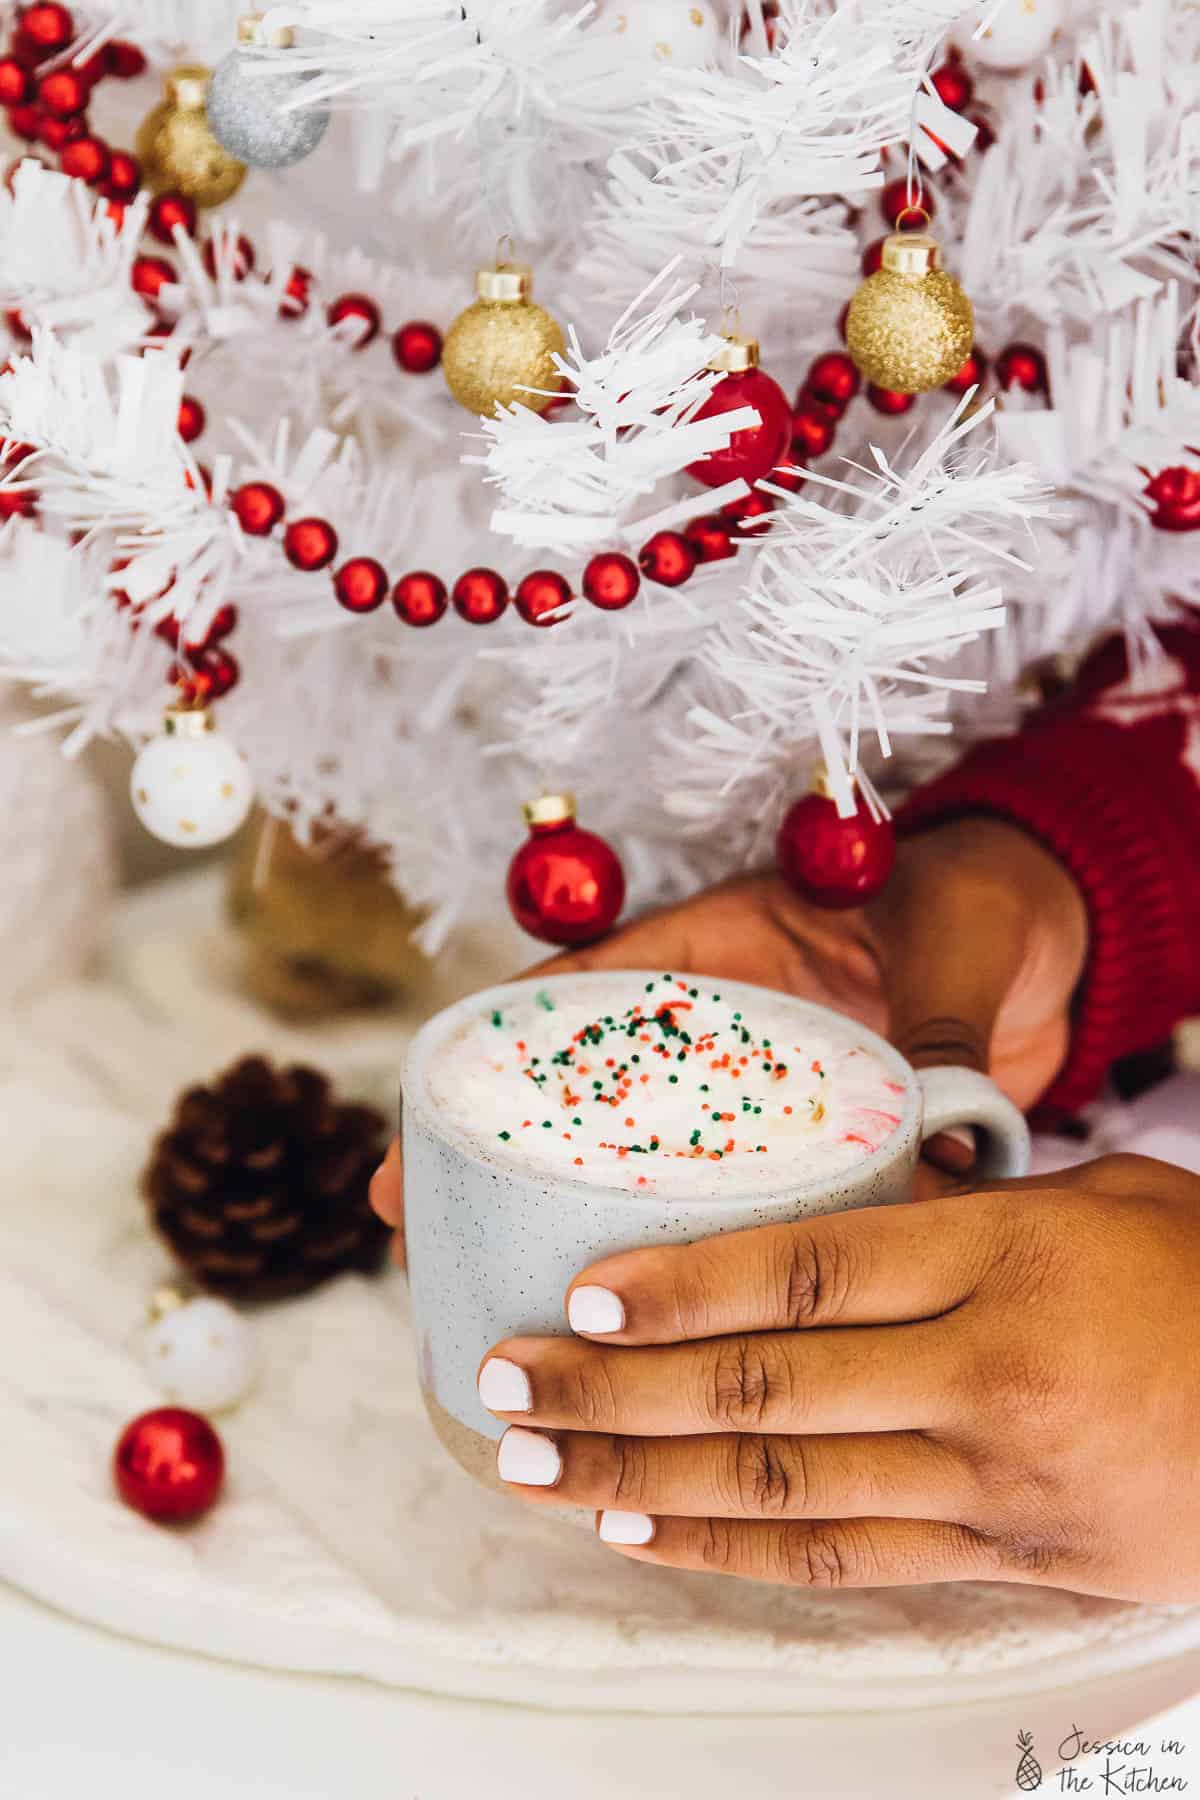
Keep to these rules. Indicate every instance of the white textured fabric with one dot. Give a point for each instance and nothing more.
(347, 1543)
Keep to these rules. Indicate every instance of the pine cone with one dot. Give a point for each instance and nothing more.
(260, 1184)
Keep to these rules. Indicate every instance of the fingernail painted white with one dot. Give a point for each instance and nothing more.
(528, 1458)
(626, 1528)
(596, 1310)
(503, 1387)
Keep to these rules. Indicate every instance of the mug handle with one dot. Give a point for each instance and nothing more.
(965, 1097)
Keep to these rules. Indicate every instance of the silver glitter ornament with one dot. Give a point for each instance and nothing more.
(252, 115)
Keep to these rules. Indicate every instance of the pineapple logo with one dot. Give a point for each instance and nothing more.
(1029, 1769)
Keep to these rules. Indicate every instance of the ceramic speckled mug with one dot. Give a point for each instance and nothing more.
(498, 1221)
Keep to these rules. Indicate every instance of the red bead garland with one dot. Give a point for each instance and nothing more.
(192, 419)
(259, 508)
(541, 596)
(1022, 366)
(892, 405)
(150, 275)
(297, 294)
(169, 212)
(611, 581)
(87, 159)
(169, 1465)
(1176, 496)
(44, 29)
(64, 94)
(833, 379)
(667, 558)
(364, 313)
(812, 433)
(711, 538)
(972, 374)
(310, 544)
(361, 585)
(417, 347)
(420, 598)
(480, 596)
(16, 82)
(124, 179)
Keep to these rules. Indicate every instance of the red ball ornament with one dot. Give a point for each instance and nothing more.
(150, 274)
(16, 82)
(711, 538)
(953, 86)
(541, 596)
(192, 419)
(169, 1465)
(25, 122)
(812, 433)
(890, 404)
(1176, 496)
(365, 315)
(420, 598)
(667, 558)
(480, 596)
(64, 93)
(901, 210)
(972, 374)
(310, 544)
(566, 886)
(45, 29)
(361, 584)
(167, 211)
(417, 347)
(1022, 366)
(297, 294)
(751, 514)
(55, 133)
(753, 452)
(611, 581)
(872, 259)
(124, 177)
(88, 159)
(833, 379)
(833, 862)
(259, 508)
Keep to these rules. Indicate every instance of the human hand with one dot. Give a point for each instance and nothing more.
(970, 955)
(999, 1385)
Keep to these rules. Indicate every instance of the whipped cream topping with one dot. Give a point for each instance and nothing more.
(666, 1087)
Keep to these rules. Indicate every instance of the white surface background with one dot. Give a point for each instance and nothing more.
(89, 1717)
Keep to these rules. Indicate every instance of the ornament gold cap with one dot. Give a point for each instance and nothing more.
(736, 355)
(910, 253)
(250, 33)
(551, 809)
(187, 87)
(508, 283)
(187, 722)
(822, 784)
(168, 1297)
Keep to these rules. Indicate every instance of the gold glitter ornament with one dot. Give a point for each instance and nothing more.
(177, 149)
(911, 327)
(503, 345)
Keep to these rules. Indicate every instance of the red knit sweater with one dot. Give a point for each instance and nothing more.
(1110, 781)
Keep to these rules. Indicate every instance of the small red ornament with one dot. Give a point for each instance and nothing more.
(124, 177)
(480, 596)
(417, 347)
(55, 133)
(169, 1465)
(192, 419)
(812, 433)
(611, 581)
(361, 584)
(259, 508)
(25, 122)
(124, 60)
(297, 294)
(899, 208)
(224, 672)
(833, 379)
(366, 317)
(18, 503)
(972, 374)
(239, 258)
(87, 159)
(985, 133)
(833, 862)
(541, 596)
(420, 598)
(890, 404)
(1022, 366)
(566, 886)
(167, 211)
(221, 625)
(45, 29)
(752, 453)
(310, 544)
(64, 93)
(751, 514)
(872, 260)
(16, 82)
(150, 274)
(790, 476)
(953, 86)
(1176, 496)
(711, 538)
(667, 558)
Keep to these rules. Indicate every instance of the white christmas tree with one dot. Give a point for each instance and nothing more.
(674, 171)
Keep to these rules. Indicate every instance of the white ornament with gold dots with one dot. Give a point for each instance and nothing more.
(190, 787)
(199, 1351)
(683, 33)
(1018, 35)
